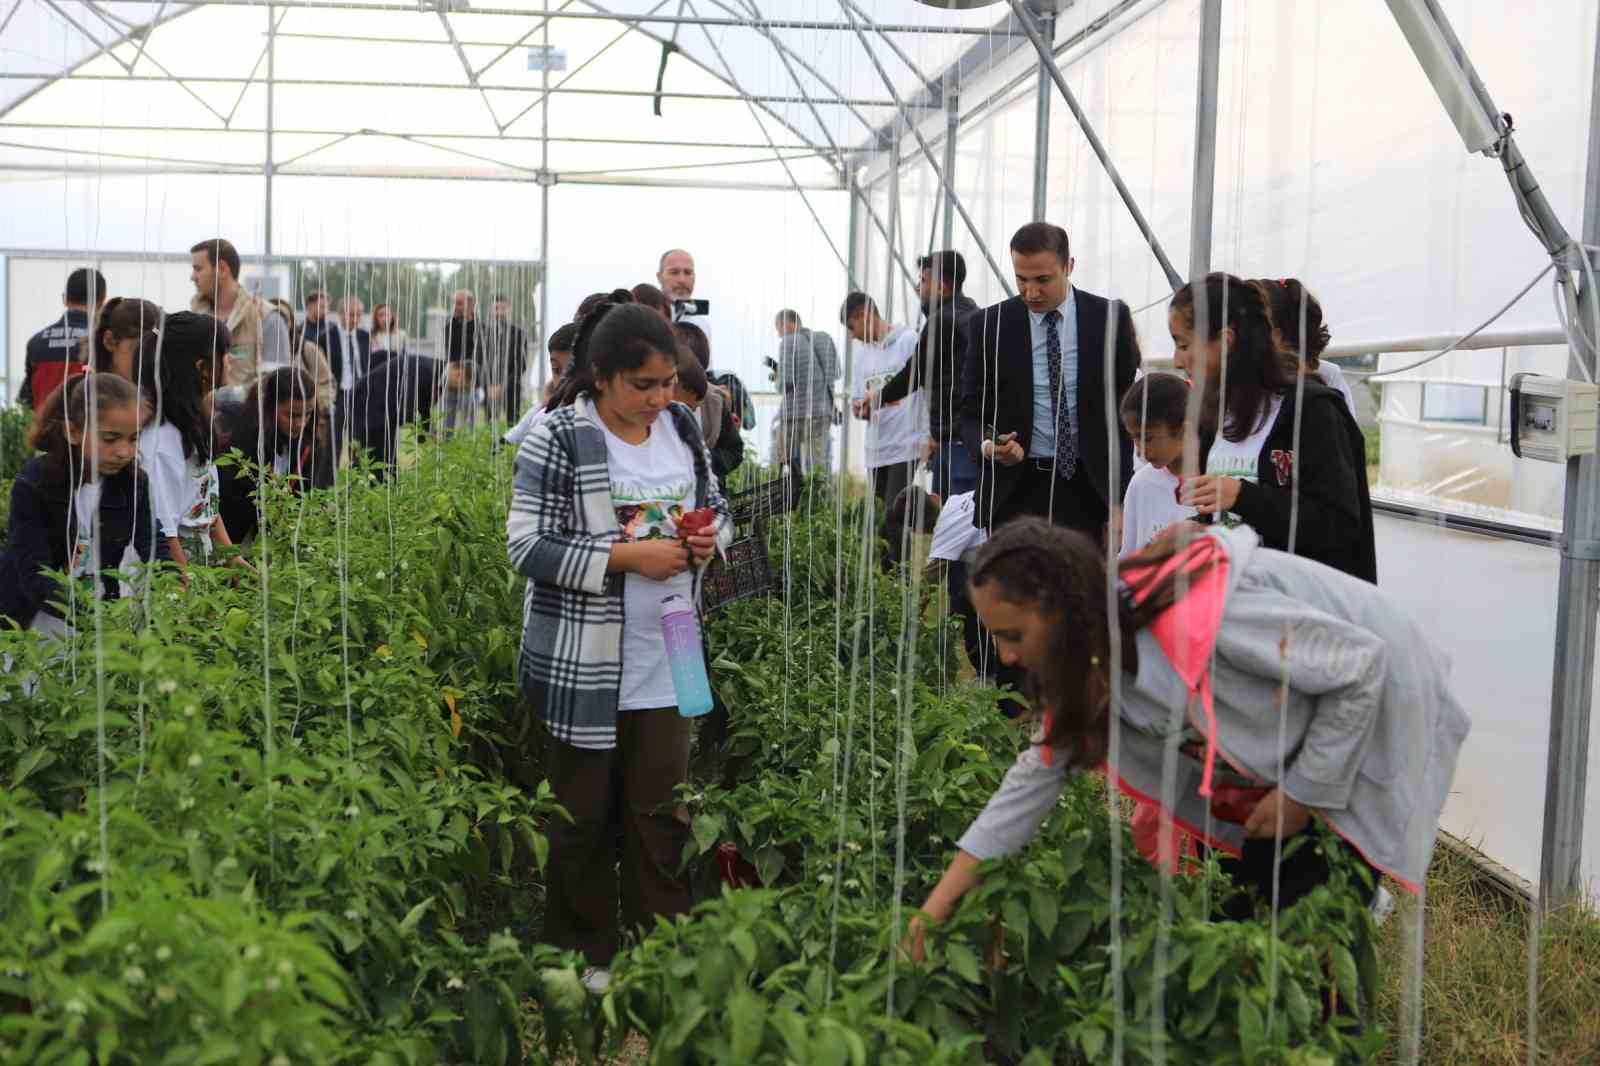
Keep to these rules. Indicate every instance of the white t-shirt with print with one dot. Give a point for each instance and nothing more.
(516, 433)
(86, 549)
(1241, 459)
(954, 535)
(893, 431)
(651, 485)
(1150, 505)
(183, 491)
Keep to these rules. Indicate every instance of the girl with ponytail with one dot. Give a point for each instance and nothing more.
(186, 360)
(1280, 451)
(599, 526)
(1298, 693)
(79, 505)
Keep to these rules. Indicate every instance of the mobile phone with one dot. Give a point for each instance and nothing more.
(691, 308)
(991, 434)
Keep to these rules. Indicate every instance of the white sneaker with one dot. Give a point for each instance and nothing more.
(1382, 905)
(597, 979)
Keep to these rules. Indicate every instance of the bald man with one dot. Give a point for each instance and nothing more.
(675, 274)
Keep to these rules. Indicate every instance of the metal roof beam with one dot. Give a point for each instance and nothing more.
(368, 132)
(363, 84)
(46, 171)
(692, 20)
(514, 45)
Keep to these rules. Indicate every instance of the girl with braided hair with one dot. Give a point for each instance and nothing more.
(1279, 450)
(1363, 735)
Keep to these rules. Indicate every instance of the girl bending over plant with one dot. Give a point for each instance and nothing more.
(77, 507)
(600, 525)
(1324, 701)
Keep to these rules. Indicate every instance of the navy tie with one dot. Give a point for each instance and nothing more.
(1066, 444)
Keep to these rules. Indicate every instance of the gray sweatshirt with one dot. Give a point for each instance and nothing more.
(1368, 735)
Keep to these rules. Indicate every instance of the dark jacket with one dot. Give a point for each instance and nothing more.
(463, 341)
(310, 461)
(1335, 517)
(728, 452)
(54, 354)
(333, 347)
(44, 526)
(936, 365)
(997, 390)
(398, 392)
(505, 346)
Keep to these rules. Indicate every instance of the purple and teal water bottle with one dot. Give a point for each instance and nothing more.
(685, 657)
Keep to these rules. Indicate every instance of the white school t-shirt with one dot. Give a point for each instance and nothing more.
(86, 548)
(651, 485)
(516, 433)
(1241, 459)
(954, 535)
(1332, 375)
(1150, 505)
(894, 431)
(183, 491)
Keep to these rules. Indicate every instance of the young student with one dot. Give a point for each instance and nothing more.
(1264, 466)
(692, 387)
(599, 488)
(119, 331)
(727, 452)
(280, 430)
(1297, 315)
(896, 432)
(1365, 739)
(1155, 413)
(78, 506)
(561, 342)
(185, 363)
(956, 541)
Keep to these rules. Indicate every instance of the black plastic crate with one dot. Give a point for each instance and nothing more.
(759, 503)
(746, 571)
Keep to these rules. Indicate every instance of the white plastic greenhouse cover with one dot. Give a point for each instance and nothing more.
(1335, 164)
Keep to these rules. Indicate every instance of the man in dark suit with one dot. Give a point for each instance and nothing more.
(1033, 404)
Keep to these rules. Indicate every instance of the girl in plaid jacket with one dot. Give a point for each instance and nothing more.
(601, 485)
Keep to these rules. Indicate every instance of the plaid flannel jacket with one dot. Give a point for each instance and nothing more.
(559, 535)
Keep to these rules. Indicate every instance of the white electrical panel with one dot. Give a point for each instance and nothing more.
(1552, 419)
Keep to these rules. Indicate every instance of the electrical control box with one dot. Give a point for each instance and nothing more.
(1552, 419)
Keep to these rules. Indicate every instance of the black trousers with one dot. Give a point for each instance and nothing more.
(1309, 865)
(979, 652)
(1071, 502)
(888, 482)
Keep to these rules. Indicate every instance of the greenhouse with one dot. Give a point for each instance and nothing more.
(691, 531)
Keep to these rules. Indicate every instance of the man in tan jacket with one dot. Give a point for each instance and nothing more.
(257, 336)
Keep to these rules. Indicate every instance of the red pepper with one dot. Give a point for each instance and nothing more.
(694, 523)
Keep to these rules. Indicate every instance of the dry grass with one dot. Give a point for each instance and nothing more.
(1475, 976)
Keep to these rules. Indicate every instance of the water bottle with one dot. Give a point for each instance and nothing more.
(681, 631)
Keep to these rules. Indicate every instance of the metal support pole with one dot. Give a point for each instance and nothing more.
(266, 241)
(952, 125)
(1205, 141)
(541, 357)
(1041, 123)
(893, 234)
(1048, 60)
(849, 342)
(1577, 599)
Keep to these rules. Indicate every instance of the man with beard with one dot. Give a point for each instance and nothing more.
(935, 367)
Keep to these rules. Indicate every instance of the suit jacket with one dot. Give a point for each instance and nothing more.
(334, 349)
(997, 390)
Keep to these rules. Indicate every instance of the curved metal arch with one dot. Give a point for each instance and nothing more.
(132, 35)
(150, 27)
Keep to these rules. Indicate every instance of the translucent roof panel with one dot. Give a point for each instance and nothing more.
(757, 91)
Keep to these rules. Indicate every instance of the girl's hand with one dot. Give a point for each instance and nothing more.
(702, 546)
(1210, 494)
(1264, 820)
(657, 560)
(915, 943)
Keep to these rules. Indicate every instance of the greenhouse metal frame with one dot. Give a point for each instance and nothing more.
(922, 99)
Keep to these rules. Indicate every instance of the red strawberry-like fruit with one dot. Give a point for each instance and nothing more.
(697, 522)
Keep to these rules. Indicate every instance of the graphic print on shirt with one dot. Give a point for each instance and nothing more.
(207, 502)
(1241, 459)
(650, 511)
